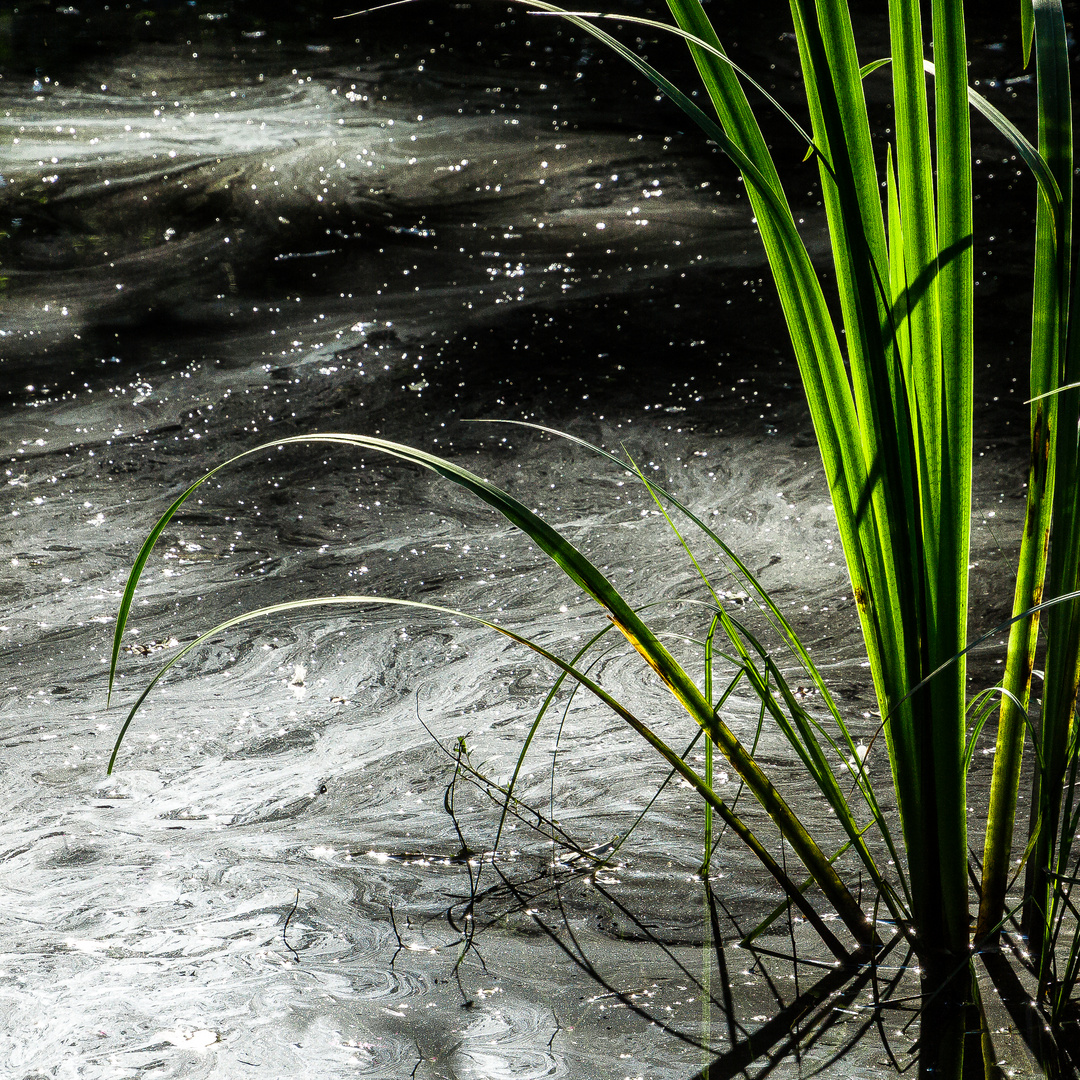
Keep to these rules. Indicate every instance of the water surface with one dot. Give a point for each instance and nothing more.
(212, 251)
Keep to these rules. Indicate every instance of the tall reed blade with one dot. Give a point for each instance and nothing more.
(1059, 352)
(593, 582)
(955, 361)
(887, 367)
(1053, 843)
(1053, 229)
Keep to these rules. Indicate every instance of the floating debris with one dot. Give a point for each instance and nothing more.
(144, 648)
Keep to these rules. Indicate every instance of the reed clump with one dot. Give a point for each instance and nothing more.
(886, 359)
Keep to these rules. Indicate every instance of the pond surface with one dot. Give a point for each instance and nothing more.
(214, 245)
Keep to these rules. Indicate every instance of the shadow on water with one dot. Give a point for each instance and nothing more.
(944, 1030)
(825, 1017)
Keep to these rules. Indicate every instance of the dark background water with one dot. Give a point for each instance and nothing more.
(221, 224)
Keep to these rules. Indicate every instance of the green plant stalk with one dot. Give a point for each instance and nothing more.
(824, 376)
(1057, 739)
(886, 515)
(738, 827)
(801, 733)
(912, 536)
(1053, 843)
(949, 586)
(895, 439)
(777, 619)
(916, 747)
(1049, 327)
(1063, 978)
(584, 574)
(915, 424)
(708, 829)
(1063, 649)
(800, 730)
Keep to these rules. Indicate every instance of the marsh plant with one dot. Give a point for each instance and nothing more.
(886, 359)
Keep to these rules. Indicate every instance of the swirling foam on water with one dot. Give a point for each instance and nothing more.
(270, 878)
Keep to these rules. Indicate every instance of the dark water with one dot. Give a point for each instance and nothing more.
(216, 242)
